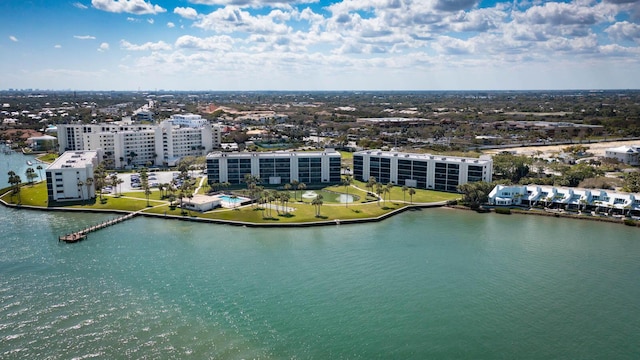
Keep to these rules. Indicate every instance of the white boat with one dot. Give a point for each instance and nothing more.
(29, 162)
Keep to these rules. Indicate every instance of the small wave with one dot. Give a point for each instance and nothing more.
(88, 356)
(14, 336)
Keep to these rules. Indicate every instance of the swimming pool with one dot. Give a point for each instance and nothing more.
(230, 199)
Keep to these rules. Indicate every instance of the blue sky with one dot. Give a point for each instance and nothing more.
(319, 45)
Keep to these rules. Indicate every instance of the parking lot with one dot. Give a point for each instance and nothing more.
(155, 178)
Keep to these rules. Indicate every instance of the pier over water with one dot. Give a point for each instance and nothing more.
(82, 234)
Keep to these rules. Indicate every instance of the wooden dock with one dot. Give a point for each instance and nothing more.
(82, 234)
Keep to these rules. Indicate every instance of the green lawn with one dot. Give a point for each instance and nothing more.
(365, 207)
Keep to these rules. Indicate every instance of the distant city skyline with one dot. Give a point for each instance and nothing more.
(238, 45)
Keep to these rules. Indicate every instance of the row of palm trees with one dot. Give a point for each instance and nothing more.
(383, 190)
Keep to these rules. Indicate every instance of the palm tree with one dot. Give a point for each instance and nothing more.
(39, 167)
(264, 198)
(31, 174)
(284, 197)
(371, 183)
(387, 189)
(147, 193)
(15, 181)
(190, 196)
(404, 193)
(294, 184)
(114, 183)
(80, 184)
(317, 202)
(411, 192)
(302, 186)
(99, 176)
(379, 190)
(119, 182)
(89, 183)
(346, 181)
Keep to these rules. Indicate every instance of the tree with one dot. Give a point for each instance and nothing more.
(284, 197)
(411, 192)
(632, 182)
(30, 174)
(99, 177)
(346, 181)
(80, 185)
(317, 203)
(379, 191)
(511, 167)
(39, 167)
(294, 184)
(89, 183)
(475, 194)
(302, 186)
(371, 183)
(388, 188)
(404, 193)
(114, 183)
(14, 181)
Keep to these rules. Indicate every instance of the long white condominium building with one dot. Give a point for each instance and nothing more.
(67, 176)
(274, 168)
(422, 171)
(140, 144)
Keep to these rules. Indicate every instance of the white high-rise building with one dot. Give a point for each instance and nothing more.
(138, 144)
(67, 178)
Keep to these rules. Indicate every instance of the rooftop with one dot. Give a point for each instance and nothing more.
(74, 159)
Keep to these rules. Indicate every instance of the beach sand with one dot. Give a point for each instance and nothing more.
(597, 149)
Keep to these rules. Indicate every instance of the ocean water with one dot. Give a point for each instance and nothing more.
(435, 283)
(16, 162)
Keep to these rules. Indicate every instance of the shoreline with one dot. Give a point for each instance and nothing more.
(334, 222)
(519, 211)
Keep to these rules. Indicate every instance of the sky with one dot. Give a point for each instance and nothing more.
(245, 45)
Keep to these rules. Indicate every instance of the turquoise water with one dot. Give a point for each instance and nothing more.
(17, 163)
(435, 283)
(230, 199)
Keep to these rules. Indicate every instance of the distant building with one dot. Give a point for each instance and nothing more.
(43, 143)
(422, 171)
(275, 168)
(146, 116)
(67, 176)
(629, 155)
(128, 145)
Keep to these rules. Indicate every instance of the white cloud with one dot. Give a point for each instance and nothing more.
(624, 31)
(150, 21)
(233, 19)
(148, 46)
(13, 38)
(171, 25)
(84, 37)
(104, 47)
(253, 3)
(222, 43)
(131, 19)
(80, 5)
(138, 7)
(186, 12)
(57, 46)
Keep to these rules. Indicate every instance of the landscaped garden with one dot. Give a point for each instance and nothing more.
(299, 207)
